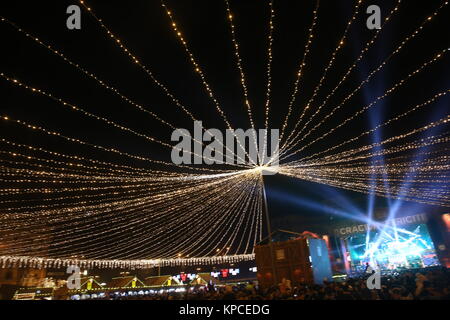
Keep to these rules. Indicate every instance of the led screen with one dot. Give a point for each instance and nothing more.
(407, 247)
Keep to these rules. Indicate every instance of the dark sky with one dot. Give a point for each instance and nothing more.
(145, 29)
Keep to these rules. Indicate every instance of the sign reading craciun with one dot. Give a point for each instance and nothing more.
(418, 218)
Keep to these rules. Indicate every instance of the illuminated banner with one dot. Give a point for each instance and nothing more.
(419, 218)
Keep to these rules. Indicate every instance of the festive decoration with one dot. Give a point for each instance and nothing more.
(23, 262)
(115, 208)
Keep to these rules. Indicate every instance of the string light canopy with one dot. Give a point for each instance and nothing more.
(100, 205)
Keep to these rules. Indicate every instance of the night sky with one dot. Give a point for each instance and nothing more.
(145, 29)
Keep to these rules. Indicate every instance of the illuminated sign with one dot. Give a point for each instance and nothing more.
(234, 271)
(225, 273)
(419, 218)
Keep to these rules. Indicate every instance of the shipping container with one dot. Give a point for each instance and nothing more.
(292, 260)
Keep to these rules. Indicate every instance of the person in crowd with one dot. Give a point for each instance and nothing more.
(423, 284)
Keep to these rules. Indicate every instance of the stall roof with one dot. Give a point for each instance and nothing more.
(125, 282)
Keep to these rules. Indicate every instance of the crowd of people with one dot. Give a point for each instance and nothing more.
(423, 284)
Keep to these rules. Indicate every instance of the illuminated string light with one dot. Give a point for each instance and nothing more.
(91, 115)
(269, 64)
(269, 76)
(330, 64)
(239, 62)
(301, 68)
(99, 81)
(196, 66)
(62, 209)
(33, 262)
(371, 74)
(365, 108)
(199, 71)
(429, 101)
(354, 65)
(127, 51)
(408, 145)
(200, 201)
